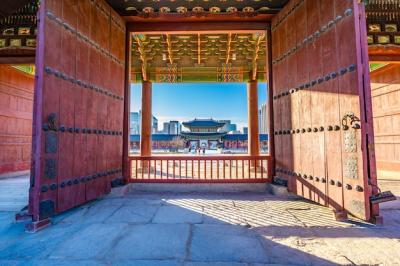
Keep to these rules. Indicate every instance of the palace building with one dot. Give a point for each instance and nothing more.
(172, 143)
(203, 133)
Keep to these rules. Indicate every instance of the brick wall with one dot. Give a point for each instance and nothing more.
(386, 110)
(16, 102)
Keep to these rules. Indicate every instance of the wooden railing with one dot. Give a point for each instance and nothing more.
(200, 169)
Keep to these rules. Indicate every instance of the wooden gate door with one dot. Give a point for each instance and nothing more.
(322, 104)
(78, 105)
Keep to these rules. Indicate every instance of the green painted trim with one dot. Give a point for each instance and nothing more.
(376, 66)
(27, 69)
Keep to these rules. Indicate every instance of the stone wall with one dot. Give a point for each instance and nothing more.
(385, 85)
(16, 102)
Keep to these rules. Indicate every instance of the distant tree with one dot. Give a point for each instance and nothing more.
(177, 143)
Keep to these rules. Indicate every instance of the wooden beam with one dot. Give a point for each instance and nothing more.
(17, 60)
(252, 105)
(169, 49)
(8, 7)
(17, 55)
(228, 48)
(146, 119)
(196, 27)
(143, 58)
(127, 102)
(208, 18)
(395, 59)
(384, 53)
(271, 136)
(198, 49)
(255, 55)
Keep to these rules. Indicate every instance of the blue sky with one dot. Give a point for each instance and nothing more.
(185, 101)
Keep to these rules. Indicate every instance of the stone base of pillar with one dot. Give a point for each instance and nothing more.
(33, 227)
(23, 215)
(377, 220)
(340, 216)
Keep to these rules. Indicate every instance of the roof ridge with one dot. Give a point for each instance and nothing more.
(203, 119)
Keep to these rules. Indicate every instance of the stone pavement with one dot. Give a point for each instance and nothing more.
(232, 229)
(14, 192)
(389, 180)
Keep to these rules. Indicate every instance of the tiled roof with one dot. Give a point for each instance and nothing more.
(203, 134)
(203, 123)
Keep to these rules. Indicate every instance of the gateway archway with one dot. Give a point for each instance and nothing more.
(226, 55)
(322, 138)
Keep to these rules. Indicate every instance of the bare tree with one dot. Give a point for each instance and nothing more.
(177, 143)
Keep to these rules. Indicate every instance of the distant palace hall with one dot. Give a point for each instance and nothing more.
(204, 133)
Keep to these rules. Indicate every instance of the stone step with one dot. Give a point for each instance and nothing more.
(186, 188)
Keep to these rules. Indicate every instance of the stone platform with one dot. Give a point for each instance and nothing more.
(195, 229)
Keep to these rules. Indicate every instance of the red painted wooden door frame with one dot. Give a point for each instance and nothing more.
(78, 106)
(322, 105)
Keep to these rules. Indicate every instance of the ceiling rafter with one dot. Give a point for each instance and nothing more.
(198, 56)
(154, 9)
(198, 49)
(142, 55)
(228, 48)
(255, 55)
(169, 49)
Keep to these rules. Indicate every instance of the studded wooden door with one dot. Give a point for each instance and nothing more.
(322, 104)
(78, 106)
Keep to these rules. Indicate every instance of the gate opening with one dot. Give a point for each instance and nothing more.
(200, 149)
(198, 118)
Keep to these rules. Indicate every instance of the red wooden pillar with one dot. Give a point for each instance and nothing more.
(146, 119)
(271, 138)
(127, 102)
(252, 105)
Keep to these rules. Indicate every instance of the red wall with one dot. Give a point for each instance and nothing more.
(16, 101)
(385, 84)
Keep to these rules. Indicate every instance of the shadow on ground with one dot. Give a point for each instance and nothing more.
(200, 229)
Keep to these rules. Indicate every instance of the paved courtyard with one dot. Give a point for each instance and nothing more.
(14, 192)
(389, 180)
(232, 229)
